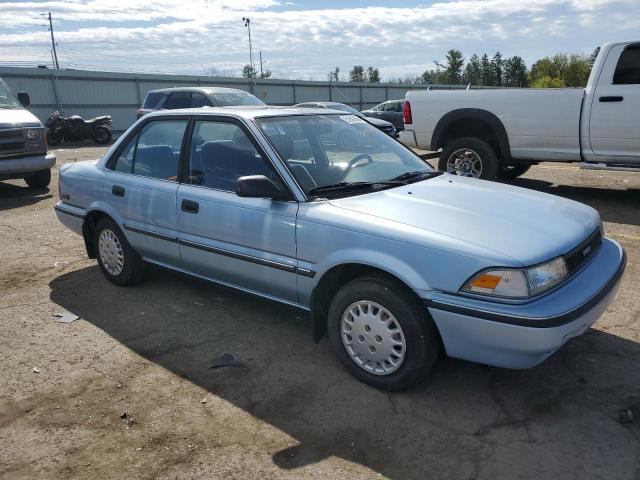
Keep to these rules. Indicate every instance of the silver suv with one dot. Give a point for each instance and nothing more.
(195, 97)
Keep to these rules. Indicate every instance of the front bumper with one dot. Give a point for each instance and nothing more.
(523, 335)
(13, 167)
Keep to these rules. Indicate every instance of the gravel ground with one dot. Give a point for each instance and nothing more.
(127, 392)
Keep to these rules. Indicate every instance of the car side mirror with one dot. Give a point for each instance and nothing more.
(259, 186)
(24, 99)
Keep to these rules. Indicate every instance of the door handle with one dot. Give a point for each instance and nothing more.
(117, 191)
(190, 206)
(611, 99)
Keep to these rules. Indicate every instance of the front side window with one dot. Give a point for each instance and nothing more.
(628, 68)
(229, 99)
(199, 100)
(154, 100)
(221, 152)
(324, 150)
(155, 151)
(178, 100)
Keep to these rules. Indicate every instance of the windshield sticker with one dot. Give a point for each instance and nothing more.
(351, 119)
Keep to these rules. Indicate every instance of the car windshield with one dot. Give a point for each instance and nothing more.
(235, 98)
(7, 100)
(331, 154)
(344, 108)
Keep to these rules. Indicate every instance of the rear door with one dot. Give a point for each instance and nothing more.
(244, 242)
(142, 186)
(614, 127)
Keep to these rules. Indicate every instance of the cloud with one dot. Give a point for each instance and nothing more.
(189, 36)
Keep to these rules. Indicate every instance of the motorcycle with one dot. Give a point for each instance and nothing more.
(74, 128)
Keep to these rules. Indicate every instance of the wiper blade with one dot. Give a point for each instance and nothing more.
(419, 174)
(352, 186)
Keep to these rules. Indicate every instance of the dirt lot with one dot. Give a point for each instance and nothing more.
(127, 392)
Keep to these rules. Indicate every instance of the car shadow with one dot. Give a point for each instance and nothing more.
(17, 196)
(617, 206)
(462, 419)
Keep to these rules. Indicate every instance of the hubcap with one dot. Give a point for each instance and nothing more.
(465, 162)
(111, 254)
(373, 338)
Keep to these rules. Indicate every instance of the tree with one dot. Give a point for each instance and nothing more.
(334, 75)
(472, 71)
(249, 72)
(496, 65)
(453, 66)
(572, 70)
(515, 72)
(548, 82)
(356, 74)
(373, 75)
(486, 71)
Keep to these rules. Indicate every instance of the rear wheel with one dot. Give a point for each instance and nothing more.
(54, 138)
(382, 334)
(101, 135)
(509, 172)
(119, 262)
(469, 157)
(40, 179)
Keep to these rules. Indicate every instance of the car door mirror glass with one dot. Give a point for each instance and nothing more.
(24, 99)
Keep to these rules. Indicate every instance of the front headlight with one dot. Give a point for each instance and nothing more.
(518, 283)
(33, 134)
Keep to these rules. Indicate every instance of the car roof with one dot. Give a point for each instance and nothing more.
(195, 88)
(246, 111)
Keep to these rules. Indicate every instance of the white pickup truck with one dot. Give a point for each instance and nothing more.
(502, 132)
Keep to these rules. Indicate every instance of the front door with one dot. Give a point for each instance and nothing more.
(614, 127)
(243, 242)
(142, 188)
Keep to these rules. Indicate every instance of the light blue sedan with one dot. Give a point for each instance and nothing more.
(320, 210)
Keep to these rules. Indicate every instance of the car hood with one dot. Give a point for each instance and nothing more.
(17, 117)
(523, 225)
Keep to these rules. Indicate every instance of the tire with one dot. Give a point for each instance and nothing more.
(131, 270)
(510, 172)
(414, 329)
(40, 179)
(101, 135)
(54, 139)
(477, 151)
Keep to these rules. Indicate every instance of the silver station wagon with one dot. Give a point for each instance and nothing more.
(396, 262)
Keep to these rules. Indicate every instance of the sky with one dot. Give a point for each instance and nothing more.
(303, 39)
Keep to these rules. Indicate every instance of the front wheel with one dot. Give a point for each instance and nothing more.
(469, 157)
(382, 334)
(101, 135)
(119, 262)
(40, 179)
(510, 172)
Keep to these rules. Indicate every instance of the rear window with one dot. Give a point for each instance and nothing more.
(628, 68)
(154, 99)
(230, 99)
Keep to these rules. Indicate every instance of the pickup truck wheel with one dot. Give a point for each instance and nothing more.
(101, 135)
(469, 157)
(39, 179)
(119, 262)
(382, 334)
(509, 172)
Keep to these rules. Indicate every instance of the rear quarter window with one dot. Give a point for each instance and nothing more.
(154, 100)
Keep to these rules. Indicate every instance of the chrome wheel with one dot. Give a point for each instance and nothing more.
(111, 253)
(372, 337)
(465, 162)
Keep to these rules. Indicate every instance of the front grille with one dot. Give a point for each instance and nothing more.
(583, 252)
(11, 134)
(11, 147)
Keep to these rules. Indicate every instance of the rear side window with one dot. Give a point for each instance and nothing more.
(155, 151)
(154, 100)
(178, 100)
(628, 68)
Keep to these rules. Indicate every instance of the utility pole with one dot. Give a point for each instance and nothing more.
(261, 75)
(53, 44)
(247, 23)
